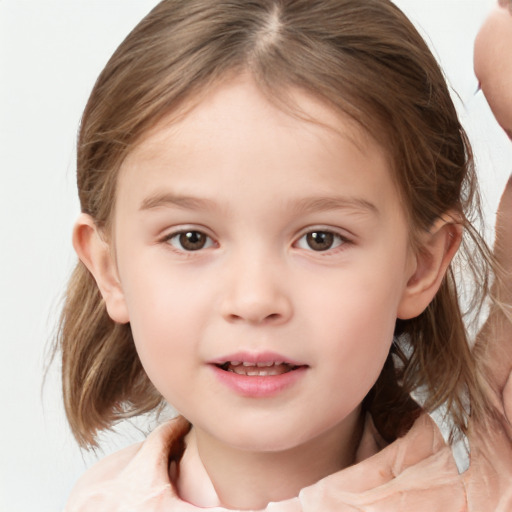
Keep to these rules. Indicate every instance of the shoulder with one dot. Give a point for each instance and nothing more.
(135, 473)
(99, 484)
(103, 471)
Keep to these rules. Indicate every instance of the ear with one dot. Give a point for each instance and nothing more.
(95, 253)
(435, 252)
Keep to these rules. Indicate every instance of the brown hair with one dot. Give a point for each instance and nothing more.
(366, 60)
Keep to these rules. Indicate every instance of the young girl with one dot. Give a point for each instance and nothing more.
(272, 195)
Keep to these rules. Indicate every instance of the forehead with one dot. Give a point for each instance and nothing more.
(219, 108)
(234, 135)
(238, 101)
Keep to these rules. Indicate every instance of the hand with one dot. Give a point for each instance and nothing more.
(493, 62)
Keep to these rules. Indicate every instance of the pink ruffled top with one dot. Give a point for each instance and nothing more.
(414, 473)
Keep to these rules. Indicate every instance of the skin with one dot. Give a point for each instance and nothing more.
(493, 63)
(256, 182)
(493, 68)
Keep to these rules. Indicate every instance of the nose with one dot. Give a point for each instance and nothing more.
(255, 292)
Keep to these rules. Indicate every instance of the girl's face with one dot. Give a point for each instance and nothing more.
(262, 262)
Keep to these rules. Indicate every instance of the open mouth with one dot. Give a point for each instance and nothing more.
(262, 369)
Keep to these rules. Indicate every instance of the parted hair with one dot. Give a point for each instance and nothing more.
(365, 60)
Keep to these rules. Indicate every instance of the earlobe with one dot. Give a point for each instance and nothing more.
(436, 251)
(95, 254)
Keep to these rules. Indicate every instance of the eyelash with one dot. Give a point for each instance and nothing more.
(178, 240)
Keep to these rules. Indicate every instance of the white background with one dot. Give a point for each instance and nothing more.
(50, 54)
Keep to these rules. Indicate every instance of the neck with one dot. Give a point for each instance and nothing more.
(214, 474)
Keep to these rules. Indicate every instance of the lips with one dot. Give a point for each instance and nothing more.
(259, 382)
(257, 364)
(258, 375)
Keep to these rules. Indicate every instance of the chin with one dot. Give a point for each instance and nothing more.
(274, 436)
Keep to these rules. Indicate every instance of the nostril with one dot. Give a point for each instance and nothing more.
(255, 319)
(256, 307)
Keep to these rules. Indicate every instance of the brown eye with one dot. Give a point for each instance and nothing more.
(190, 241)
(320, 241)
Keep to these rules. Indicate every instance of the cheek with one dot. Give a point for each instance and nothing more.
(365, 336)
(164, 316)
(364, 298)
(357, 321)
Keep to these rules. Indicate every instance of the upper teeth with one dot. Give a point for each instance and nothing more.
(259, 365)
(263, 368)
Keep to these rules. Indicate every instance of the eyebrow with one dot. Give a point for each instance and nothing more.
(306, 205)
(318, 204)
(168, 199)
